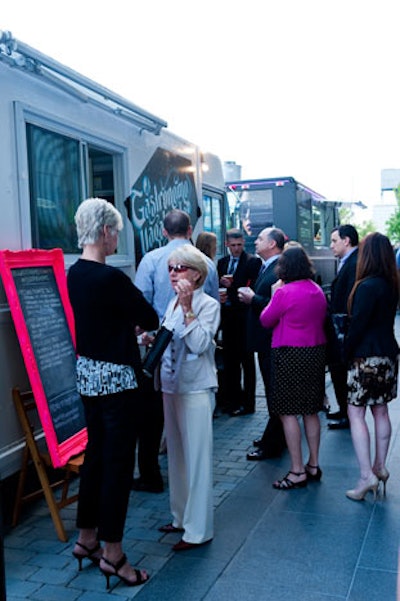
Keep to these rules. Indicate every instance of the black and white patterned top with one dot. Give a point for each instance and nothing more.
(99, 378)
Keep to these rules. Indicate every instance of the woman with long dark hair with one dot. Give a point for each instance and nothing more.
(372, 350)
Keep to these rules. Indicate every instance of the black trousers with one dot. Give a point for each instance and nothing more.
(106, 474)
(339, 381)
(273, 439)
(237, 362)
(149, 433)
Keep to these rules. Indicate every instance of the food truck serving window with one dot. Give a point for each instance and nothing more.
(63, 171)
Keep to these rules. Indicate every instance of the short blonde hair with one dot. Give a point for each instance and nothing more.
(187, 254)
(90, 218)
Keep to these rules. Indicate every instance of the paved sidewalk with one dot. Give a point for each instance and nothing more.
(310, 544)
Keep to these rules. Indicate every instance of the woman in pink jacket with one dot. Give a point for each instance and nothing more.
(296, 314)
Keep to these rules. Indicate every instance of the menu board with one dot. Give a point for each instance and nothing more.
(35, 285)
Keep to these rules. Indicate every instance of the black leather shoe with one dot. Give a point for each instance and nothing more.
(335, 416)
(139, 485)
(341, 424)
(260, 454)
(257, 455)
(241, 411)
(257, 442)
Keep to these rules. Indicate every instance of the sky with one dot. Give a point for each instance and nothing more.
(308, 89)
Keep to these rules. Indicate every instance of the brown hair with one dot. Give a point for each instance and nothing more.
(375, 259)
(207, 243)
(294, 264)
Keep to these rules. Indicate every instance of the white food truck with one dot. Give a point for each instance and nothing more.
(65, 138)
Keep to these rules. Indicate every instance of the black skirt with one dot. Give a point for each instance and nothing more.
(298, 380)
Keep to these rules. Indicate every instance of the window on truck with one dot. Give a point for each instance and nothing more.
(213, 218)
(62, 172)
(251, 211)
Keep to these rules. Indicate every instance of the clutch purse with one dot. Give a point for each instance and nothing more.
(340, 323)
(156, 351)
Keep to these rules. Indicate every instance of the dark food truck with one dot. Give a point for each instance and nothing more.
(303, 214)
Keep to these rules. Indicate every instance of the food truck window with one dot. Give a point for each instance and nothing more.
(213, 218)
(62, 172)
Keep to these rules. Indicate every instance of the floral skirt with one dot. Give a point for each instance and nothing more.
(372, 381)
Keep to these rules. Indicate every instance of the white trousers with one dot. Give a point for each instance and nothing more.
(188, 428)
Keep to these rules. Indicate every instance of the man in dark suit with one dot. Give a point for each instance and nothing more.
(269, 246)
(237, 269)
(344, 245)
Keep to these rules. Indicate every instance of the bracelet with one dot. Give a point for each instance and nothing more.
(189, 315)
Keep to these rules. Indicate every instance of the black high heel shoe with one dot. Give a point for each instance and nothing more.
(89, 554)
(287, 484)
(116, 567)
(313, 477)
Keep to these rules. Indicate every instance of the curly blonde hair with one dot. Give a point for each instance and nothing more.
(90, 218)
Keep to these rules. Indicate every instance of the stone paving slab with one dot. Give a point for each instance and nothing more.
(307, 545)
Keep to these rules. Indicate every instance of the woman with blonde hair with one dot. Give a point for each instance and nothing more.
(107, 307)
(372, 350)
(188, 382)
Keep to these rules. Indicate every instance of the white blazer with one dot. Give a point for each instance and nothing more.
(188, 364)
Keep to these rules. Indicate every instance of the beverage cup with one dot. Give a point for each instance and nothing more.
(223, 293)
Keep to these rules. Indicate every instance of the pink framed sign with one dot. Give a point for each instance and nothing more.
(36, 289)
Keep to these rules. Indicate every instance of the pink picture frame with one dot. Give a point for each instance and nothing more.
(36, 289)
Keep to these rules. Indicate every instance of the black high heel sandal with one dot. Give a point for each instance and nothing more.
(287, 484)
(314, 477)
(89, 554)
(116, 567)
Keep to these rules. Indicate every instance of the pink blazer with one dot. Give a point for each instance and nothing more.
(296, 314)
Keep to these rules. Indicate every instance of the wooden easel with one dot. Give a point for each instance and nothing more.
(25, 404)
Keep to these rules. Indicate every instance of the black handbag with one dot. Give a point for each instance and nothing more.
(340, 323)
(156, 351)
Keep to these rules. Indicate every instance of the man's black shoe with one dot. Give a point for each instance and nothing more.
(335, 416)
(341, 424)
(261, 454)
(257, 442)
(241, 411)
(139, 485)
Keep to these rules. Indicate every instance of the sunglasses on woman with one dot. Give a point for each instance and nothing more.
(179, 268)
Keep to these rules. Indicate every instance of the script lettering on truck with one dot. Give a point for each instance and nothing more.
(166, 183)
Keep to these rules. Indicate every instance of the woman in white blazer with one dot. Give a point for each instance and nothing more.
(188, 382)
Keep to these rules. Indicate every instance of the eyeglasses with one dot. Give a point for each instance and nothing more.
(179, 268)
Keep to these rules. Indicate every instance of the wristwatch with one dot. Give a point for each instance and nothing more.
(189, 315)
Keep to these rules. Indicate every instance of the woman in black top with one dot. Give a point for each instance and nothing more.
(372, 350)
(107, 307)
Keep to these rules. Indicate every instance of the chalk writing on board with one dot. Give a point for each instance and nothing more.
(52, 345)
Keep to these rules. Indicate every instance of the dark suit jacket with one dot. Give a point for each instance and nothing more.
(259, 338)
(340, 290)
(372, 321)
(342, 284)
(245, 275)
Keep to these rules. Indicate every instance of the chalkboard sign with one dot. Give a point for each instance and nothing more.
(35, 284)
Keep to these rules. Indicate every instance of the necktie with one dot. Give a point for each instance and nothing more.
(263, 269)
(232, 265)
